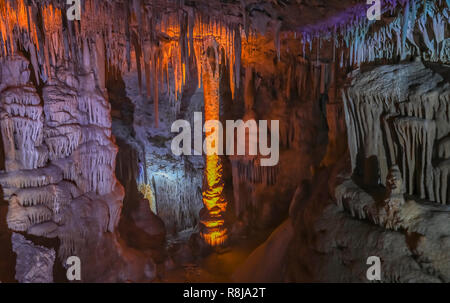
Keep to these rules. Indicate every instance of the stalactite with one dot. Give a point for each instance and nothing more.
(277, 39)
(236, 55)
(417, 138)
(441, 182)
(31, 178)
(162, 189)
(126, 36)
(250, 170)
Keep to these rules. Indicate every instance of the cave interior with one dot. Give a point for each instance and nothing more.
(354, 99)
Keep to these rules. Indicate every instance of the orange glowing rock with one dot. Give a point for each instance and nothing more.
(15, 16)
(213, 230)
(215, 237)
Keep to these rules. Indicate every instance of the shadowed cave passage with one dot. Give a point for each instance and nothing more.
(87, 166)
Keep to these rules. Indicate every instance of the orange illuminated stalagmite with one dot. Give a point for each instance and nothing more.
(213, 230)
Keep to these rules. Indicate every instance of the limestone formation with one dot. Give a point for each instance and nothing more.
(58, 147)
(399, 118)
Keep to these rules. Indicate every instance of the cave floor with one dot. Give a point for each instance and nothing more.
(218, 266)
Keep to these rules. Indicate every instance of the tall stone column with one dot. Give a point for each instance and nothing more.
(213, 230)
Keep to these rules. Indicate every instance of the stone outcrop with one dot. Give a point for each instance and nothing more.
(60, 158)
(34, 263)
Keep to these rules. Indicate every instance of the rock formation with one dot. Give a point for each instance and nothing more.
(400, 119)
(34, 263)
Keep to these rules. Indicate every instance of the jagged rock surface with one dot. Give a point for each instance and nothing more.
(34, 263)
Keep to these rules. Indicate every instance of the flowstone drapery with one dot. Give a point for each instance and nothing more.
(398, 124)
(398, 115)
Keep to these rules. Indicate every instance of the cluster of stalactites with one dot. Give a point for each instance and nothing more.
(166, 42)
(407, 28)
(177, 54)
(415, 23)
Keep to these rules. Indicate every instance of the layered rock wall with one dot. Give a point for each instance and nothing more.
(59, 154)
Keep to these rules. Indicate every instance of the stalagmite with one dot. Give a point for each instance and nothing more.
(417, 138)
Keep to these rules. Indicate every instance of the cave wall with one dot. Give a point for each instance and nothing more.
(375, 195)
(58, 147)
(398, 115)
